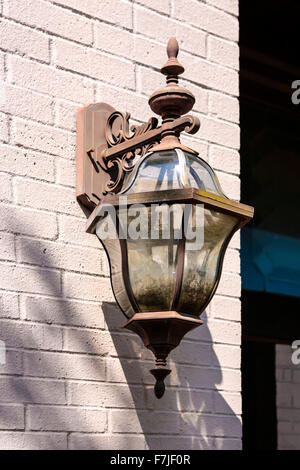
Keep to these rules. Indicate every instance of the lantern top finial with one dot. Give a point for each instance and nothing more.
(172, 67)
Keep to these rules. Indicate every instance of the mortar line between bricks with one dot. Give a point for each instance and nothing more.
(173, 18)
(217, 7)
(210, 7)
(148, 7)
(114, 383)
(54, 268)
(96, 81)
(81, 13)
(116, 358)
(123, 58)
(73, 134)
(116, 332)
(91, 17)
(44, 30)
(89, 301)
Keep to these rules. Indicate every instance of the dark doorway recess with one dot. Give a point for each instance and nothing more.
(270, 175)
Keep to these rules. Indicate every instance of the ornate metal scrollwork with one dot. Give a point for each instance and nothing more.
(118, 131)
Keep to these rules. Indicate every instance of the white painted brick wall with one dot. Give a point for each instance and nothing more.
(287, 399)
(72, 378)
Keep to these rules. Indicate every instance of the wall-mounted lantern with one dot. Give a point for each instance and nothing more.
(159, 211)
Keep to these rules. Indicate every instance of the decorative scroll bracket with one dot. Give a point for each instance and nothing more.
(108, 148)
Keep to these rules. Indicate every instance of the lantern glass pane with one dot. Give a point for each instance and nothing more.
(173, 169)
(152, 261)
(203, 258)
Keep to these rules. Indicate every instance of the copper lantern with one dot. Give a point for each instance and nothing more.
(165, 271)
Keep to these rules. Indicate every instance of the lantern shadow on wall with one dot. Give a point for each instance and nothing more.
(165, 272)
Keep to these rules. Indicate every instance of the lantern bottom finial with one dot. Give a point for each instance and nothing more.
(161, 332)
(160, 373)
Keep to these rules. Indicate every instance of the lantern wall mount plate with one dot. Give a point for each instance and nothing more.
(161, 284)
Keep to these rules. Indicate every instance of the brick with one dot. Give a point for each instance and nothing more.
(19, 39)
(24, 390)
(284, 428)
(227, 403)
(80, 441)
(51, 18)
(80, 286)
(179, 443)
(138, 105)
(200, 333)
(235, 242)
(288, 414)
(4, 127)
(9, 304)
(52, 418)
(197, 145)
(194, 424)
(121, 45)
(159, 5)
(224, 107)
(113, 317)
(232, 6)
(221, 158)
(220, 132)
(207, 18)
(181, 400)
(53, 82)
(127, 421)
(228, 444)
(94, 64)
(231, 262)
(43, 138)
(230, 284)
(26, 335)
(106, 395)
(147, 52)
(28, 221)
(11, 417)
(5, 187)
(61, 256)
(225, 332)
(32, 441)
(65, 172)
(205, 377)
(223, 52)
(211, 75)
(13, 363)
(45, 196)
(26, 104)
(102, 343)
(129, 371)
(162, 28)
(283, 355)
(72, 230)
(26, 163)
(7, 244)
(2, 66)
(118, 12)
(64, 312)
(287, 375)
(288, 442)
(63, 365)
(284, 395)
(29, 279)
(66, 115)
(227, 356)
(193, 353)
